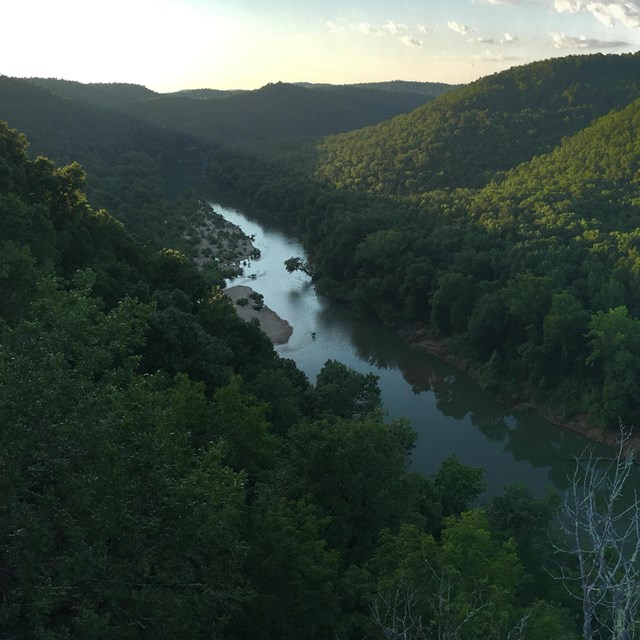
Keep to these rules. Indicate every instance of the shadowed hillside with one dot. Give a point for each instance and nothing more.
(274, 112)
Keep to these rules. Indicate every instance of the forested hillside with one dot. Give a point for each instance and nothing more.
(136, 171)
(531, 280)
(128, 139)
(463, 137)
(274, 112)
(68, 129)
(165, 474)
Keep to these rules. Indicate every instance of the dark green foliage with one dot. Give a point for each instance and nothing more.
(104, 94)
(99, 484)
(69, 130)
(353, 470)
(297, 264)
(176, 342)
(517, 271)
(457, 486)
(345, 393)
(134, 170)
(163, 473)
(294, 573)
(517, 515)
(462, 586)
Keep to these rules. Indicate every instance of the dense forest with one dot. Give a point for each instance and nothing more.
(141, 174)
(531, 276)
(164, 473)
(463, 138)
(142, 150)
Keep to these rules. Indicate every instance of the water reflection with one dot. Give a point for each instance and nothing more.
(449, 412)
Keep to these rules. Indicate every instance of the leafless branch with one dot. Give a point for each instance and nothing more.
(602, 535)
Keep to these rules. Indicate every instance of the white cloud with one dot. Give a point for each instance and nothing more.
(568, 6)
(627, 12)
(394, 29)
(507, 38)
(563, 41)
(509, 3)
(422, 28)
(491, 57)
(367, 29)
(331, 25)
(462, 29)
(390, 28)
(411, 42)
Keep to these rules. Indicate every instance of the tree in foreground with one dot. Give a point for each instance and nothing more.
(462, 587)
(601, 520)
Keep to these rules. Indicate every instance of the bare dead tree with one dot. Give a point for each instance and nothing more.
(602, 537)
(452, 615)
(396, 613)
(517, 632)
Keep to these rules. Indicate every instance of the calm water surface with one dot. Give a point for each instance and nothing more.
(449, 412)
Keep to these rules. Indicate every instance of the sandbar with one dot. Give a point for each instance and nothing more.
(278, 330)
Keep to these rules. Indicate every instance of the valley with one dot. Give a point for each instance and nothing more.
(170, 469)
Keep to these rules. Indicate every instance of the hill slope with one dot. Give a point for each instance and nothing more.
(591, 180)
(134, 170)
(534, 278)
(462, 138)
(102, 94)
(68, 129)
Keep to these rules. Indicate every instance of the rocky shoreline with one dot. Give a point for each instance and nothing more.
(217, 240)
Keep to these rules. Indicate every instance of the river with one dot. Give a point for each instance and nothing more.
(450, 413)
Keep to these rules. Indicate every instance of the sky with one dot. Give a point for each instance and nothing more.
(169, 45)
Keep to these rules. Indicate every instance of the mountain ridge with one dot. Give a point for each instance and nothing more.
(461, 138)
(273, 112)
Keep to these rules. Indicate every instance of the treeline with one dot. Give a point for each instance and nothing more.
(277, 111)
(164, 473)
(533, 277)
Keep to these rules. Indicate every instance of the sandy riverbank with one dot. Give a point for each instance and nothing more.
(278, 330)
(217, 240)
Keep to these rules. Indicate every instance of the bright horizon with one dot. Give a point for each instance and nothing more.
(168, 45)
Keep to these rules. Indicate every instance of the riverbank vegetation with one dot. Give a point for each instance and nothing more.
(165, 473)
(529, 272)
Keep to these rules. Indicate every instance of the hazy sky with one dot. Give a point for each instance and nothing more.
(178, 44)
